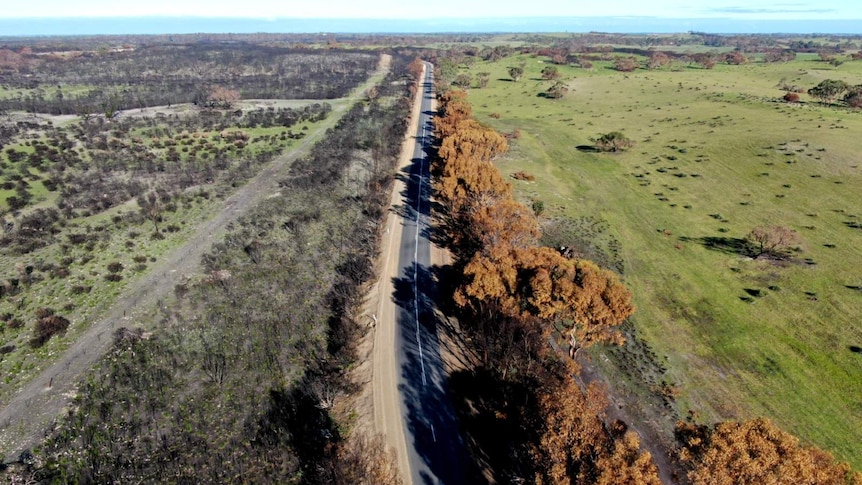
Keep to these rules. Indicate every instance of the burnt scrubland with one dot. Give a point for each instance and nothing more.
(243, 376)
(76, 80)
(93, 201)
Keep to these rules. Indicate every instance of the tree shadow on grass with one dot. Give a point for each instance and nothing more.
(727, 245)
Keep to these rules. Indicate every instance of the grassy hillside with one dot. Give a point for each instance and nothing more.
(717, 153)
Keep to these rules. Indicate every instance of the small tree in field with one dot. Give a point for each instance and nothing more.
(625, 64)
(735, 58)
(482, 79)
(854, 97)
(773, 241)
(791, 97)
(614, 141)
(515, 73)
(828, 90)
(557, 91)
(463, 80)
(657, 60)
(550, 73)
(151, 207)
(222, 97)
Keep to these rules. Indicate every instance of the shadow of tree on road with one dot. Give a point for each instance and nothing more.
(428, 410)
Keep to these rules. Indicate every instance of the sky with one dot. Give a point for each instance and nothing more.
(85, 17)
(407, 9)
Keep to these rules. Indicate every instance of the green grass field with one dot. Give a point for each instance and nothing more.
(717, 153)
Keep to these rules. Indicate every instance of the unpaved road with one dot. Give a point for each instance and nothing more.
(30, 412)
(412, 407)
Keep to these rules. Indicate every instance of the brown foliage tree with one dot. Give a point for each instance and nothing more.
(222, 97)
(791, 97)
(453, 108)
(540, 283)
(756, 452)
(415, 68)
(502, 223)
(705, 60)
(657, 60)
(627, 464)
(465, 183)
(474, 141)
(735, 58)
(625, 64)
(773, 241)
(573, 434)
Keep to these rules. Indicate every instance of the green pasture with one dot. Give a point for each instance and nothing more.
(717, 153)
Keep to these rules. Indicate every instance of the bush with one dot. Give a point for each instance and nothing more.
(614, 141)
(46, 328)
(113, 277)
(522, 175)
(44, 312)
(115, 267)
(791, 98)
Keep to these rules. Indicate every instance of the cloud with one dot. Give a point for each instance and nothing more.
(779, 9)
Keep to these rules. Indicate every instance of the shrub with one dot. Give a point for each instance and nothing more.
(115, 267)
(46, 328)
(44, 312)
(113, 277)
(614, 141)
(522, 175)
(791, 98)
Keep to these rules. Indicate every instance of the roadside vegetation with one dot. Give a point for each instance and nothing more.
(242, 375)
(730, 214)
(90, 203)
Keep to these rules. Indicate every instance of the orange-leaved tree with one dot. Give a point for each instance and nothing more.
(474, 141)
(540, 283)
(572, 434)
(756, 452)
(627, 464)
(452, 109)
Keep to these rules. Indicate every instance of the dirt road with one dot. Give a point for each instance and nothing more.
(27, 415)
